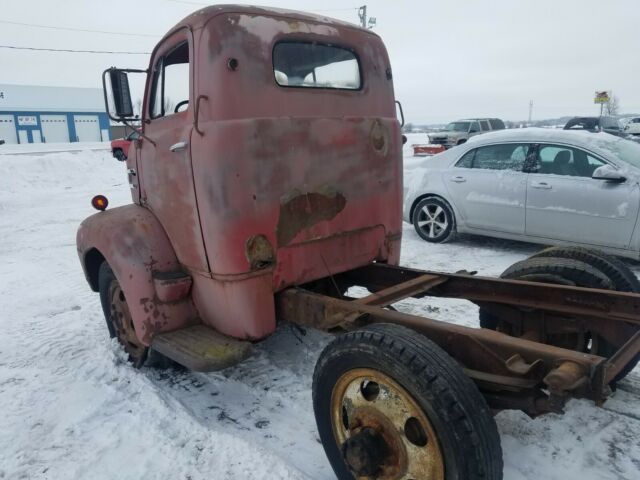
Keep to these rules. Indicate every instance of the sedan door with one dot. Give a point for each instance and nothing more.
(488, 187)
(565, 203)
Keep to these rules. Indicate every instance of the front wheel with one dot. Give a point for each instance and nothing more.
(433, 220)
(390, 404)
(118, 317)
(119, 155)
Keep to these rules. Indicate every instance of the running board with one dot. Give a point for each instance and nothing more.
(201, 348)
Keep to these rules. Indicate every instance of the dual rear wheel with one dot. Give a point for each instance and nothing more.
(574, 266)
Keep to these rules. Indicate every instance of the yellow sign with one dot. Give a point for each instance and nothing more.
(601, 97)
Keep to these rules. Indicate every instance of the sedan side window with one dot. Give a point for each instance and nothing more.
(567, 161)
(467, 160)
(509, 156)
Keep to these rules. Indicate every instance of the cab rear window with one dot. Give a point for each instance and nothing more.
(314, 65)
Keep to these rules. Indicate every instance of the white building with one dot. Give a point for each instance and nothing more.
(34, 114)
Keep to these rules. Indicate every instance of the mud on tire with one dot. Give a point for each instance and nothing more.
(458, 414)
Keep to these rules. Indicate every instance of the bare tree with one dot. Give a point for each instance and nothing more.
(612, 107)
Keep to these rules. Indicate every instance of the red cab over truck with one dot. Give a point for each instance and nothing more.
(266, 181)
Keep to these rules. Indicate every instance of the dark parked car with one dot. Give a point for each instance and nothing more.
(596, 124)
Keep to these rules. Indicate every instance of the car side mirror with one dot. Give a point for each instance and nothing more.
(608, 173)
(473, 131)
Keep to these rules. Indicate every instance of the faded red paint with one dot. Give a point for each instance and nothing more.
(314, 174)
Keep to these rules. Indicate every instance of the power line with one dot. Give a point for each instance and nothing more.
(187, 2)
(69, 50)
(70, 29)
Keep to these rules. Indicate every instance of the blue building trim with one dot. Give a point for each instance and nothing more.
(103, 123)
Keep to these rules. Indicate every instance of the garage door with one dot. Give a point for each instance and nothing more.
(87, 128)
(54, 128)
(8, 129)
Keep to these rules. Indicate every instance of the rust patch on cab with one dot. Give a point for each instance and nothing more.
(259, 252)
(299, 211)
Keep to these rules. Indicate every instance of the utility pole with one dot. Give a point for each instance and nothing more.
(530, 110)
(362, 13)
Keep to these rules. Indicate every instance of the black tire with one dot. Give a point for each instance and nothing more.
(580, 267)
(119, 155)
(550, 270)
(106, 279)
(463, 422)
(620, 275)
(441, 222)
(575, 272)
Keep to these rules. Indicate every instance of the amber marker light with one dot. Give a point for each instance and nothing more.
(100, 202)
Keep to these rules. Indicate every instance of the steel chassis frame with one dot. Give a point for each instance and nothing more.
(513, 372)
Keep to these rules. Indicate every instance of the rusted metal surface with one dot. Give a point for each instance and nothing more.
(480, 350)
(123, 324)
(410, 288)
(300, 211)
(314, 173)
(622, 357)
(259, 252)
(171, 286)
(382, 431)
(561, 299)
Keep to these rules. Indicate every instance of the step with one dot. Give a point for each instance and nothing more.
(201, 348)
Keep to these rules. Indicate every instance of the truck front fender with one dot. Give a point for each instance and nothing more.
(134, 244)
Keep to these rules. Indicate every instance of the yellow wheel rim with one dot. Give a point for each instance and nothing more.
(369, 408)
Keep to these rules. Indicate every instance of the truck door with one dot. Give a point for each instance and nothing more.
(166, 177)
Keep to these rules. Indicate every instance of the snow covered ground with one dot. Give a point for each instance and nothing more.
(71, 408)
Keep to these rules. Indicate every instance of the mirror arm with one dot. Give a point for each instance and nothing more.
(139, 131)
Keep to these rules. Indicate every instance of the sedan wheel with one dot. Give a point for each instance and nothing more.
(433, 220)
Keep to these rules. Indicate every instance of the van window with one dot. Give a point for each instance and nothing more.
(313, 65)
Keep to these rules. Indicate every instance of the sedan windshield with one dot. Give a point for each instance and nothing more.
(625, 150)
(458, 127)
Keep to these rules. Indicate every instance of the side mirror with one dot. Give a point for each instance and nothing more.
(608, 173)
(473, 131)
(119, 93)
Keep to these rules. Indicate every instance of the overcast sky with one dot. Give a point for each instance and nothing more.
(451, 58)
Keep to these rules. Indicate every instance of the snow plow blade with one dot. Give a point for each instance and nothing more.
(201, 348)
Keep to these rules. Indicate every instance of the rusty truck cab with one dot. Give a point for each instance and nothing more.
(270, 157)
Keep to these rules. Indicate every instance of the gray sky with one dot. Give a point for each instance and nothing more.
(451, 58)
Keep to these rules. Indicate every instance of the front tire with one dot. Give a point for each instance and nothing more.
(119, 155)
(118, 317)
(389, 403)
(434, 220)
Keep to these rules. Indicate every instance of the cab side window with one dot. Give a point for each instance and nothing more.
(170, 91)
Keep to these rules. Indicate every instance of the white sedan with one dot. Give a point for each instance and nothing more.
(536, 185)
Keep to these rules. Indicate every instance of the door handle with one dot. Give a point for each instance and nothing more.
(176, 147)
(458, 179)
(541, 185)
